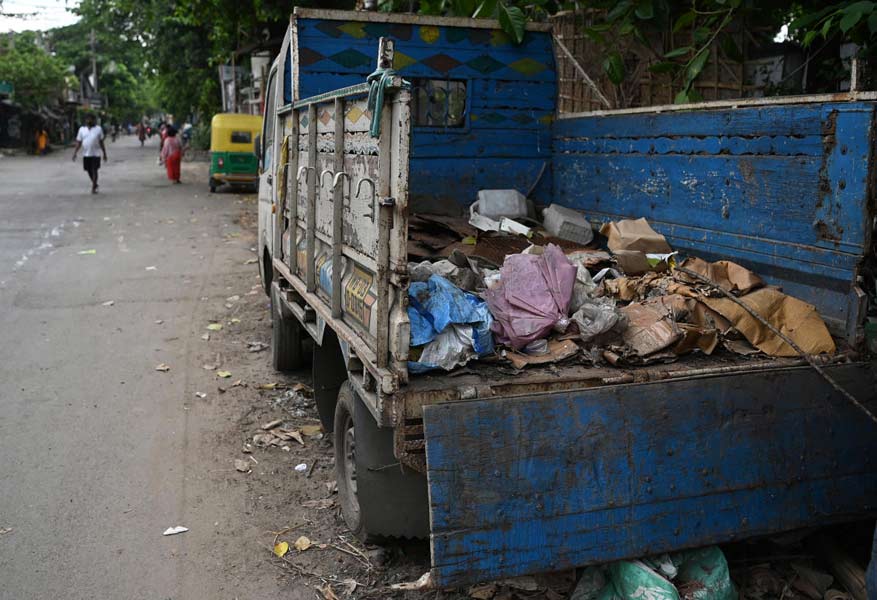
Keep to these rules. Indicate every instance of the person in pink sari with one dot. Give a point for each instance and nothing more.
(172, 154)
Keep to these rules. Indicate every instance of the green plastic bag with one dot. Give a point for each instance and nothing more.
(697, 575)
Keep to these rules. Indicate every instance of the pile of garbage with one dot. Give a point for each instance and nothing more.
(554, 295)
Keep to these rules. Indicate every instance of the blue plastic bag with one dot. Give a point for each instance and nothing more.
(452, 326)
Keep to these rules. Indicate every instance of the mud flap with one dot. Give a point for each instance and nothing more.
(543, 483)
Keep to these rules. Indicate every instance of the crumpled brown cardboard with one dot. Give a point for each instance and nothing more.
(730, 276)
(630, 234)
(795, 318)
(649, 329)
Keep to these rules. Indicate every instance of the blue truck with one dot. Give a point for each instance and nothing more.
(510, 473)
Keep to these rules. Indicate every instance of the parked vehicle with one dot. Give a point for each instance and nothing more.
(552, 468)
(231, 149)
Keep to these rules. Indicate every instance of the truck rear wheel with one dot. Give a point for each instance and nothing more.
(378, 499)
(288, 352)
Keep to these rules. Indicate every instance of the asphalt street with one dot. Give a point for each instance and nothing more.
(99, 451)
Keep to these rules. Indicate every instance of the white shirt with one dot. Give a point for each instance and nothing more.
(90, 139)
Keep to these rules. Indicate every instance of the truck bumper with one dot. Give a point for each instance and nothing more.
(542, 483)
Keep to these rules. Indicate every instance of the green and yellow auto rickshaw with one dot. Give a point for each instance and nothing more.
(232, 159)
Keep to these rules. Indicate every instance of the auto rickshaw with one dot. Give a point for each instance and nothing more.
(232, 159)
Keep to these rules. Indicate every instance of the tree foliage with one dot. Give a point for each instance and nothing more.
(38, 77)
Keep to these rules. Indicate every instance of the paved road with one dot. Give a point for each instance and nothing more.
(99, 453)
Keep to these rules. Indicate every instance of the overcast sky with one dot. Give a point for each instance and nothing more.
(49, 14)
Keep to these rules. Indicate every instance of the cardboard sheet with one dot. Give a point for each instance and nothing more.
(730, 276)
(649, 329)
(796, 319)
(557, 351)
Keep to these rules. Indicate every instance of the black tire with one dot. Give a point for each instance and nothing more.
(287, 341)
(212, 187)
(328, 374)
(378, 499)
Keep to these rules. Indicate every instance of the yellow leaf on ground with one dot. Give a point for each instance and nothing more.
(215, 326)
(281, 548)
(302, 544)
(223, 374)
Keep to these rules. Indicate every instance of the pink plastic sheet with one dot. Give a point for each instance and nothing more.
(532, 296)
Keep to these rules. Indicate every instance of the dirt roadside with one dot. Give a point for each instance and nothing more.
(286, 504)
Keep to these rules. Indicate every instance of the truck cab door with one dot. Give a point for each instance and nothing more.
(268, 173)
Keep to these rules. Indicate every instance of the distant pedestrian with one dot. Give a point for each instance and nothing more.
(172, 153)
(91, 139)
(141, 132)
(42, 140)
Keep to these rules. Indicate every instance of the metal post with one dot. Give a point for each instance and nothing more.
(338, 209)
(311, 219)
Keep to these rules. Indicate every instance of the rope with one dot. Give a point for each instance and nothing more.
(808, 357)
(378, 81)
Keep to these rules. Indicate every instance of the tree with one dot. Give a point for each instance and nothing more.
(37, 76)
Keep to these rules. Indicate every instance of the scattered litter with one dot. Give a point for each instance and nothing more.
(175, 530)
(449, 326)
(696, 575)
(311, 430)
(242, 465)
(301, 468)
(215, 327)
(256, 346)
(596, 317)
(302, 543)
(223, 374)
(234, 298)
(5, 530)
(235, 320)
(532, 297)
(200, 395)
(567, 224)
(152, 268)
(636, 246)
(423, 583)
(272, 424)
(208, 367)
(328, 592)
(92, 251)
(250, 261)
(158, 321)
(205, 337)
(163, 368)
(321, 504)
(648, 329)
(556, 351)
(272, 386)
(108, 303)
(281, 548)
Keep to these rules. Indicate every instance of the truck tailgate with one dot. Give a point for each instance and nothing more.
(539, 483)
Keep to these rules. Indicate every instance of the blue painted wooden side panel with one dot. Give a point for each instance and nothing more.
(511, 100)
(530, 484)
(785, 190)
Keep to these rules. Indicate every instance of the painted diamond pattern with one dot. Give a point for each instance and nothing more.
(354, 30)
(326, 116)
(304, 121)
(330, 28)
(307, 57)
(528, 66)
(441, 63)
(351, 58)
(354, 114)
(400, 61)
(376, 30)
(485, 64)
(493, 118)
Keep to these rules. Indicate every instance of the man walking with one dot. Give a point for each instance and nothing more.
(91, 139)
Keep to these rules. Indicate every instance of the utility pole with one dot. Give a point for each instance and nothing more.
(93, 61)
